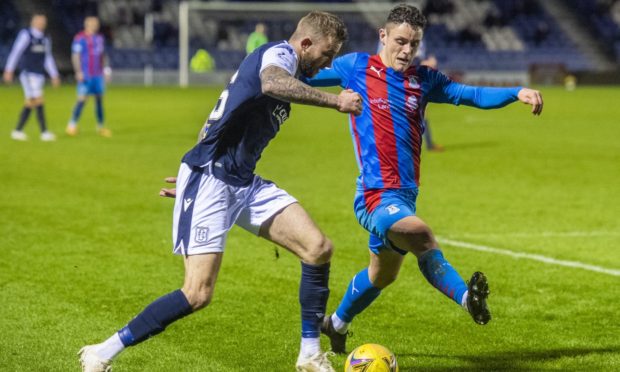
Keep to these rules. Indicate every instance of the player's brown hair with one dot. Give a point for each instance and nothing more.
(323, 24)
(404, 13)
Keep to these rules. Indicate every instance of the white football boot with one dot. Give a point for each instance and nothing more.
(18, 135)
(48, 137)
(91, 362)
(315, 363)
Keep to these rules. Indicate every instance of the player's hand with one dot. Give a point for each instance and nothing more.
(350, 102)
(532, 97)
(107, 74)
(169, 193)
(8, 77)
(56, 82)
(79, 76)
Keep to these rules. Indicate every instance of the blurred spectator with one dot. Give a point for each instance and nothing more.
(256, 38)
(494, 19)
(439, 7)
(202, 61)
(541, 32)
(469, 34)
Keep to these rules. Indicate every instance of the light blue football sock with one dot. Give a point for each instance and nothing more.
(360, 294)
(442, 275)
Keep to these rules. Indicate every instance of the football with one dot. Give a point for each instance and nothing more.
(371, 358)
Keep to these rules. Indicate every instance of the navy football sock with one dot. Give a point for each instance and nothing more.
(360, 294)
(442, 275)
(155, 317)
(23, 118)
(99, 110)
(313, 295)
(41, 118)
(77, 111)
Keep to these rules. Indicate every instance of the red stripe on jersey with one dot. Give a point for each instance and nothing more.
(383, 125)
(412, 89)
(358, 146)
(372, 198)
(91, 54)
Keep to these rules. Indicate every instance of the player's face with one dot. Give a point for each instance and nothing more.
(400, 45)
(317, 55)
(91, 25)
(39, 22)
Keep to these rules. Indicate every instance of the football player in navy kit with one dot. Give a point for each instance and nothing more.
(32, 53)
(217, 188)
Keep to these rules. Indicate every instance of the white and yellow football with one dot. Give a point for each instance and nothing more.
(371, 358)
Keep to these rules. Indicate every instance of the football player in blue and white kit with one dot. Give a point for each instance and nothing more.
(217, 187)
(33, 51)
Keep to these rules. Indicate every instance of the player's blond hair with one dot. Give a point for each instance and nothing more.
(322, 25)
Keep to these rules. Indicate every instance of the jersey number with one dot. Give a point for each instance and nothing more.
(218, 111)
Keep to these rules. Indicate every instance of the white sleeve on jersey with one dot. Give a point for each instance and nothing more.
(21, 43)
(281, 55)
(50, 64)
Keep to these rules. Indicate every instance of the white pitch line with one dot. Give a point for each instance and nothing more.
(544, 234)
(529, 256)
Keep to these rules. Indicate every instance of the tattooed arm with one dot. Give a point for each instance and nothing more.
(278, 83)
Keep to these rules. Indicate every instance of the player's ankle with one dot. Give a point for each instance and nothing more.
(340, 325)
(310, 346)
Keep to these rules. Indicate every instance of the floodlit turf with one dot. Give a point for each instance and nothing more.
(85, 240)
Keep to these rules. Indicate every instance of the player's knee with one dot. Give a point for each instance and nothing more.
(319, 251)
(385, 279)
(421, 238)
(198, 298)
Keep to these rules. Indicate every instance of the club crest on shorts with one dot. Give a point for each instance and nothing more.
(392, 209)
(202, 234)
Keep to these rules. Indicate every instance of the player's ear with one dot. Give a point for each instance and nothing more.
(306, 43)
(382, 35)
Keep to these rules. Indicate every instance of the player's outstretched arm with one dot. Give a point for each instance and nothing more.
(532, 97)
(278, 83)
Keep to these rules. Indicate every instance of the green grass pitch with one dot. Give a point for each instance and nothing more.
(85, 239)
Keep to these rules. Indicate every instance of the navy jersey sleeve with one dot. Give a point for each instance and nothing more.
(444, 90)
(339, 74)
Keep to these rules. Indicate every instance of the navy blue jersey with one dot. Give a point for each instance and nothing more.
(244, 120)
(33, 59)
(33, 51)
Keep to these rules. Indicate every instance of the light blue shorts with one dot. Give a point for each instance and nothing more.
(377, 210)
(95, 85)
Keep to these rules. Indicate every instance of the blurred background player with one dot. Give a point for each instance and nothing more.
(32, 50)
(256, 38)
(91, 72)
(427, 59)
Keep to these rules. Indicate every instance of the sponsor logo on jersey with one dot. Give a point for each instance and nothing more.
(381, 103)
(280, 114)
(376, 70)
(411, 105)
